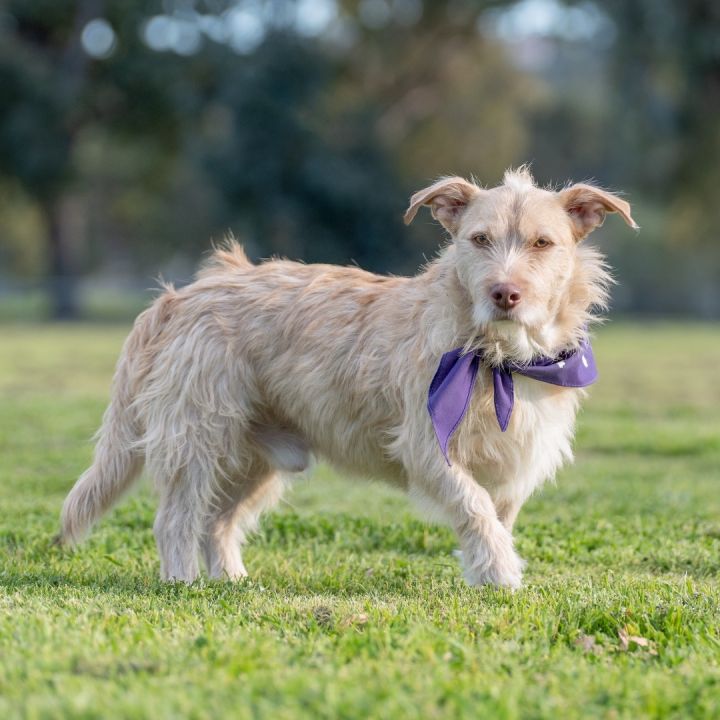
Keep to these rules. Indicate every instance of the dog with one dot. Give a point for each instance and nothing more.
(226, 387)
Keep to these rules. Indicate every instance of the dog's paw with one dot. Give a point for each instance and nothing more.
(503, 569)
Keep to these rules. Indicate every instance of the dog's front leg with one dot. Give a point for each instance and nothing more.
(488, 555)
(508, 509)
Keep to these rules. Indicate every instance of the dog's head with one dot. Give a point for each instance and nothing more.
(518, 254)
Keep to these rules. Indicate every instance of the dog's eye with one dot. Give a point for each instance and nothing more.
(542, 242)
(480, 239)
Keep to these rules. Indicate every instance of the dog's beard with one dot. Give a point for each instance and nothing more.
(506, 339)
(517, 337)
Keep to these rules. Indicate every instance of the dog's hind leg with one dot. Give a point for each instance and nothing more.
(236, 508)
(233, 515)
(178, 523)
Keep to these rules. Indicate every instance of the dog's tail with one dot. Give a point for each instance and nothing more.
(118, 461)
(113, 471)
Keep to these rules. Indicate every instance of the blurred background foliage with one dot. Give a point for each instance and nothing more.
(132, 132)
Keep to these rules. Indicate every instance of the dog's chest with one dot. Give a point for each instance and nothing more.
(537, 441)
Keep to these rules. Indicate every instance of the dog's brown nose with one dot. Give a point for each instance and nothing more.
(505, 295)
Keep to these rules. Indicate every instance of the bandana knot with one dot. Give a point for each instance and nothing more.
(452, 386)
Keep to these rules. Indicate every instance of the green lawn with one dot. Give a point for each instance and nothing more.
(356, 608)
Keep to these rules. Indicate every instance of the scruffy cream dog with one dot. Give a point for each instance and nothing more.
(228, 385)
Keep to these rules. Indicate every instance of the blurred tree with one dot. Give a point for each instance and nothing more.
(52, 90)
(303, 179)
(446, 97)
(440, 96)
(666, 72)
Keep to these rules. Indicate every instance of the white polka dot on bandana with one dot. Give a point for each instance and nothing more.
(584, 361)
(561, 364)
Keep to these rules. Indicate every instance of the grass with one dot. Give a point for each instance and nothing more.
(356, 608)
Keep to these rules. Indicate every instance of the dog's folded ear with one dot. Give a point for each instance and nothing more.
(448, 198)
(587, 206)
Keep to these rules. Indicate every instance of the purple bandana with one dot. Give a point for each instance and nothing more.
(452, 386)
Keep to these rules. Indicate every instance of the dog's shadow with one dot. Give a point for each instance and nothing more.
(130, 585)
(359, 564)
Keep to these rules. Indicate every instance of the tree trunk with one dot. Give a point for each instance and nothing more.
(62, 282)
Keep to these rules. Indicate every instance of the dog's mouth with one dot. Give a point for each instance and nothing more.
(503, 316)
(500, 323)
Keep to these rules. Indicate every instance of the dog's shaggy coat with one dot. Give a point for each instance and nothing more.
(230, 384)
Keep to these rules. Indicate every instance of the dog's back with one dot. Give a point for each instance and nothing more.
(207, 382)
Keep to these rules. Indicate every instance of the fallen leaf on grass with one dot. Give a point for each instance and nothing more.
(631, 642)
(357, 620)
(586, 642)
